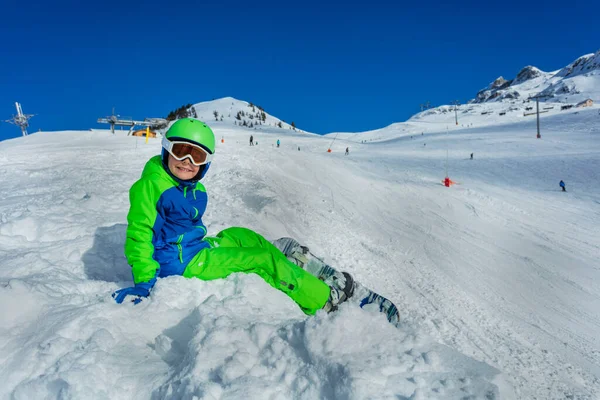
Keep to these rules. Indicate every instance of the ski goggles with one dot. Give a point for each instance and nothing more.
(182, 150)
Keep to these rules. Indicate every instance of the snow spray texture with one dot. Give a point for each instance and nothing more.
(166, 236)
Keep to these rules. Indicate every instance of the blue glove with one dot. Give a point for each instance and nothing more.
(139, 290)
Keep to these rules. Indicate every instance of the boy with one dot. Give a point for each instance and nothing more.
(166, 235)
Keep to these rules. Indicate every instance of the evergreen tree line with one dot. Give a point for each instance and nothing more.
(186, 111)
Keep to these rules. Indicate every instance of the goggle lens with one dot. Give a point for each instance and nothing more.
(181, 150)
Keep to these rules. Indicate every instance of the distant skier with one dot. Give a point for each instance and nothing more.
(471, 156)
(166, 235)
(347, 151)
(278, 142)
(563, 186)
(251, 140)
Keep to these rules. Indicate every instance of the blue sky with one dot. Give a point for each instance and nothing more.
(327, 66)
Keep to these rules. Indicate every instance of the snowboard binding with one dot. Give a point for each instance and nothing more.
(343, 286)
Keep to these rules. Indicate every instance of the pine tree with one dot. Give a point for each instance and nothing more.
(216, 114)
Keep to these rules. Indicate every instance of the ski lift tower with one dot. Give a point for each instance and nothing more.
(456, 103)
(154, 123)
(537, 98)
(21, 120)
(425, 106)
(112, 120)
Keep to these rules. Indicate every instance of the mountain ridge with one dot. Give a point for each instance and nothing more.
(550, 84)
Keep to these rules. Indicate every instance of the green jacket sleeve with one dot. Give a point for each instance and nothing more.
(139, 249)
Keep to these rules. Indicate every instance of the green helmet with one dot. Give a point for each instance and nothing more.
(193, 131)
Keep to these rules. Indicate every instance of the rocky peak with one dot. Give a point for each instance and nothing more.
(492, 91)
(527, 73)
(499, 83)
(582, 65)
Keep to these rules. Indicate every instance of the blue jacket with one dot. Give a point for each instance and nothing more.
(165, 229)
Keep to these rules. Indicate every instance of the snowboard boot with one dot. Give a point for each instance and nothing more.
(342, 288)
(341, 283)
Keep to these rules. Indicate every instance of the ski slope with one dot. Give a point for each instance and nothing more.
(496, 278)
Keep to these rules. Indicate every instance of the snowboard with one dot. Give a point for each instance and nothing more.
(363, 296)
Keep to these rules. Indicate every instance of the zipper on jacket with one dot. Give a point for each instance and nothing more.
(180, 248)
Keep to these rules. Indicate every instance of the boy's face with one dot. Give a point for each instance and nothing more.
(184, 170)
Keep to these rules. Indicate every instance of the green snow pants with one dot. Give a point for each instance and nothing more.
(242, 250)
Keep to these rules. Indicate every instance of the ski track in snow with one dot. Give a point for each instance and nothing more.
(501, 268)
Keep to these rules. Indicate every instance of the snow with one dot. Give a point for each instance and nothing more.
(496, 278)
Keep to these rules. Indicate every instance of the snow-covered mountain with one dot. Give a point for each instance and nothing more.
(577, 81)
(228, 111)
(528, 81)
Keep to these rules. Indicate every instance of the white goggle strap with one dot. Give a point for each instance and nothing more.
(166, 144)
